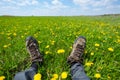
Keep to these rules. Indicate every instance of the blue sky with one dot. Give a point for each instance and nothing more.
(59, 7)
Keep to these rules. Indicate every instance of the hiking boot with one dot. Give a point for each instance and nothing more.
(77, 51)
(33, 49)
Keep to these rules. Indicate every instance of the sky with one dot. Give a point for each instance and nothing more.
(59, 7)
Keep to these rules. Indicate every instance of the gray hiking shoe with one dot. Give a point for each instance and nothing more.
(77, 51)
(33, 49)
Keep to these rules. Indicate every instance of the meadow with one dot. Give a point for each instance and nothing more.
(55, 36)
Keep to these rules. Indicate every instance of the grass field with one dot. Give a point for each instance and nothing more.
(102, 53)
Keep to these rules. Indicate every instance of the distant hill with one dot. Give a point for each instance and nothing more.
(111, 15)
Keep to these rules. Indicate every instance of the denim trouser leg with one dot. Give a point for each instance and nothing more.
(26, 75)
(77, 72)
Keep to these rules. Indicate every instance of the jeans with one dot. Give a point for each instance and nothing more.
(77, 73)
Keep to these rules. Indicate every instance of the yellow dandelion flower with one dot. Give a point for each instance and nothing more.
(8, 34)
(26, 33)
(52, 42)
(5, 46)
(37, 76)
(110, 49)
(47, 46)
(64, 75)
(9, 37)
(55, 76)
(118, 40)
(85, 51)
(14, 34)
(53, 79)
(89, 63)
(97, 75)
(71, 47)
(47, 52)
(22, 36)
(104, 40)
(53, 33)
(108, 77)
(92, 53)
(39, 42)
(96, 48)
(60, 51)
(2, 77)
(116, 32)
(97, 45)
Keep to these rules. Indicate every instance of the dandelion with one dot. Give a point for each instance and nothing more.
(110, 49)
(64, 75)
(8, 34)
(97, 75)
(71, 47)
(97, 45)
(39, 42)
(108, 77)
(60, 51)
(9, 37)
(55, 76)
(104, 40)
(52, 42)
(22, 36)
(47, 46)
(92, 53)
(47, 52)
(14, 34)
(96, 48)
(53, 79)
(37, 76)
(2, 77)
(26, 33)
(53, 33)
(118, 40)
(89, 63)
(116, 32)
(85, 51)
(5, 46)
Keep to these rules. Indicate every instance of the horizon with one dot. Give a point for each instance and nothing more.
(60, 15)
(59, 7)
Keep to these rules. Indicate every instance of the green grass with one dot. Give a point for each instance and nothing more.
(103, 30)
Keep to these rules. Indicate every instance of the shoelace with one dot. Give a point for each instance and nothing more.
(79, 50)
(33, 49)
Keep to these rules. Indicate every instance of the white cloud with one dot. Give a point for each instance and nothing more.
(27, 2)
(9, 8)
(56, 2)
(22, 2)
(53, 8)
(98, 6)
(8, 0)
(58, 7)
(55, 5)
(94, 3)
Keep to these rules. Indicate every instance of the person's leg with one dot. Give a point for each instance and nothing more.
(77, 72)
(27, 74)
(36, 59)
(75, 60)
